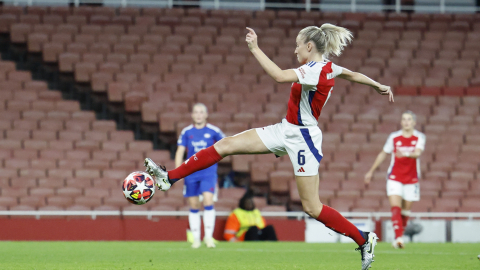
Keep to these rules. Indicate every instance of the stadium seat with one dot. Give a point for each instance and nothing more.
(342, 204)
(446, 205)
(279, 181)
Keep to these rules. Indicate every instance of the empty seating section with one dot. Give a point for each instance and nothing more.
(54, 156)
(159, 62)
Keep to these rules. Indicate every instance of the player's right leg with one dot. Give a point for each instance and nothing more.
(397, 223)
(194, 220)
(308, 191)
(247, 142)
(191, 193)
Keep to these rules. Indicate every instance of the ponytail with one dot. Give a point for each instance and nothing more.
(328, 38)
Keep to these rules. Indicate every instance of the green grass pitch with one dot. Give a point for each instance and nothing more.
(179, 255)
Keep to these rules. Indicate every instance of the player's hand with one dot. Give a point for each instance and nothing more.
(399, 154)
(251, 39)
(385, 90)
(368, 178)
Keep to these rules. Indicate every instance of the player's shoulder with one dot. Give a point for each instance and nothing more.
(316, 66)
(418, 134)
(186, 129)
(311, 70)
(214, 128)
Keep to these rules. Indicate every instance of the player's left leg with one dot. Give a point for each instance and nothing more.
(208, 218)
(411, 193)
(308, 190)
(406, 211)
(397, 223)
(247, 142)
(395, 193)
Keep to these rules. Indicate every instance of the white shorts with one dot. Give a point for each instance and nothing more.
(410, 192)
(303, 144)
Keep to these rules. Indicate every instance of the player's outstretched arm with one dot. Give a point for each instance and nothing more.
(179, 155)
(268, 65)
(360, 78)
(380, 158)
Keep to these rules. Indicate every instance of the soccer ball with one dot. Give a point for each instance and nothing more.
(138, 188)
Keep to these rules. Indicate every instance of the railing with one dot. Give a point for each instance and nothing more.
(441, 7)
(298, 215)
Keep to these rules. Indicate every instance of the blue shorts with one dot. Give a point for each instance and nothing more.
(196, 186)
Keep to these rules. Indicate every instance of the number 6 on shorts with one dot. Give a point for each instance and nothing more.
(301, 158)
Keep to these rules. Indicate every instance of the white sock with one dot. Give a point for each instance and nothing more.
(209, 221)
(194, 222)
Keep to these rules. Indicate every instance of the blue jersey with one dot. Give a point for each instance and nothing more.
(197, 139)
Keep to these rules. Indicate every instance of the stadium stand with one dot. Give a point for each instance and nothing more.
(158, 62)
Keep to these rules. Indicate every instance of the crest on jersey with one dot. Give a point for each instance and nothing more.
(414, 142)
(398, 143)
(207, 135)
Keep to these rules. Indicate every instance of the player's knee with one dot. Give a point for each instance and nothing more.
(195, 205)
(225, 146)
(312, 208)
(311, 211)
(207, 201)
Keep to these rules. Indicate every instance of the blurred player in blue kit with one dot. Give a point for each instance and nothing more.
(194, 138)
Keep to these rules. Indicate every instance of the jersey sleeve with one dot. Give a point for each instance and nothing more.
(336, 70)
(388, 147)
(307, 74)
(182, 140)
(421, 142)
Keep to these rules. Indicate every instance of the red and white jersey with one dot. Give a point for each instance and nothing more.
(311, 93)
(405, 170)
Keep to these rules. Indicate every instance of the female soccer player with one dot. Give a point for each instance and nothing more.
(194, 138)
(298, 135)
(403, 189)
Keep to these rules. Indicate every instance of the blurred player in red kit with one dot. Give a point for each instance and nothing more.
(406, 146)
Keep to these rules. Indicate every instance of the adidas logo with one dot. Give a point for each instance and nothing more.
(301, 170)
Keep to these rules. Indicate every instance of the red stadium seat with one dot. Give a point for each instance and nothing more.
(431, 91)
(279, 181)
(66, 61)
(446, 205)
(342, 204)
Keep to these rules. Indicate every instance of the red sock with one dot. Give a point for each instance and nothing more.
(201, 160)
(333, 220)
(404, 221)
(397, 221)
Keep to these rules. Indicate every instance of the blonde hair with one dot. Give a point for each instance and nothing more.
(200, 105)
(328, 38)
(414, 116)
